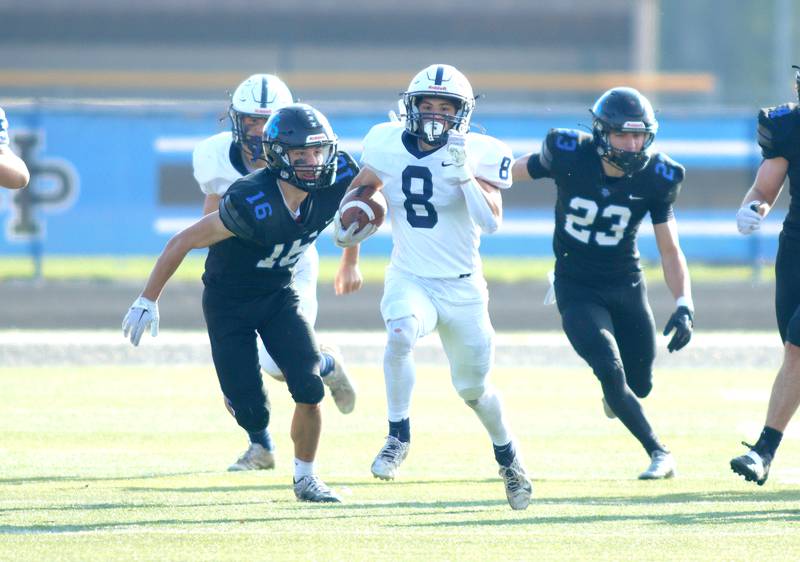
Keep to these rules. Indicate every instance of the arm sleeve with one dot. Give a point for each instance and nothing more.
(539, 163)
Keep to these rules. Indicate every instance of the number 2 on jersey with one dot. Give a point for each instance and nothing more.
(414, 200)
(578, 226)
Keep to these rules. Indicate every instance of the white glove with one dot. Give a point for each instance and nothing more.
(748, 219)
(142, 313)
(455, 171)
(350, 237)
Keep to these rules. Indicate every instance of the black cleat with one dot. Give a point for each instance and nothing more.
(752, 466)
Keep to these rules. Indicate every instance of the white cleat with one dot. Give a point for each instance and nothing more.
(389, 459)
(607, 410)
(313, 489)
(662, 465)
(340, 385)
(518, 486)
(256, 457)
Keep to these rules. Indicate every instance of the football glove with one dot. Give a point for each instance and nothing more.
(748, 219)
(682, 321)
(455, 171)
(142, 313)
(345, 238)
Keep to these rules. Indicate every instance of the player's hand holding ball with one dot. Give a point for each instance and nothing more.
(360, 214)
(142, 314)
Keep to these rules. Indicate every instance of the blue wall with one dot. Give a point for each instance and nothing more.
(116, 153)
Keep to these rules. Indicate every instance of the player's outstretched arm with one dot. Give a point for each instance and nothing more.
(519, 170)
(760, 198)
(210, 203)
(676, 275)
(144, 311)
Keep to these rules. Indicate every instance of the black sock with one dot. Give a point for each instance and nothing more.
(401, 430)
(262, 438)
(768, 442)
(504, 454)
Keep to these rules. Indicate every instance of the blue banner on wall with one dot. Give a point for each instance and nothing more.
(116, 179)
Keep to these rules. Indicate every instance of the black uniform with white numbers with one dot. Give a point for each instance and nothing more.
(779, 137)
(248, 288)
(600, 290)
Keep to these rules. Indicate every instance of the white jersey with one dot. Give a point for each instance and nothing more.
(432, 232)
(212, 165)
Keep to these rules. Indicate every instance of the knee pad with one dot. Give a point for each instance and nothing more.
(471, 395)
(307, 390)
(640, 385)
(402, 335)
(251, 416)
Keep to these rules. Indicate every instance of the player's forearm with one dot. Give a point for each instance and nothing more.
(519, 171)
(350, 256)
(676, 274)
(166, 265)
(484, 205)
(768, 184)
(13, 171)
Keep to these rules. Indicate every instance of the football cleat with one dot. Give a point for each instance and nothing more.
(518, 486)
(340, 385)
(752, 466)
(607, 410)
(389, 459)
(256, 457)
(662, 465)
(312, 489)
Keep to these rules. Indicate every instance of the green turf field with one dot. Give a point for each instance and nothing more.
(508, 270)
(110, 463)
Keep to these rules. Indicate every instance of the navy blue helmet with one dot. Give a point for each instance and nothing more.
(300, 126)
(623, 110)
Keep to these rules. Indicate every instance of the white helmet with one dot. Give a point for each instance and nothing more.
(441, 81)
(258, 96)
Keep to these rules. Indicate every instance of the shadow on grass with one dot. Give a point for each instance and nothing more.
(76, 478)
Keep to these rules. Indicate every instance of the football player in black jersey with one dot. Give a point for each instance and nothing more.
(779, 138)
(265, 222)
(607, 182)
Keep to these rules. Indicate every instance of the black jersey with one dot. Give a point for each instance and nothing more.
(779, 136)
(269, 240)
(597, 217)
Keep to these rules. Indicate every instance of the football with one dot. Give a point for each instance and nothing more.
(364, 204)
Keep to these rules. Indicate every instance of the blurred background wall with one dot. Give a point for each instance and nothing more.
(106, 98)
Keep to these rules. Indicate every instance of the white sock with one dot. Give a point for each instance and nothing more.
(490, 412)
(302, 469)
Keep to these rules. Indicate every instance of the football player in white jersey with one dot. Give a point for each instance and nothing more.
(442, 184)
(220, 160)
(14, 173)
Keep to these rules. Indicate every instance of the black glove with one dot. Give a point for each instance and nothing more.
(682, 321)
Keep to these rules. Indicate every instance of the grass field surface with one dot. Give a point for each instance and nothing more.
(137, 268)
(109, 463)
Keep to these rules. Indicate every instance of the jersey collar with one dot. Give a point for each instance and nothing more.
(412, 146)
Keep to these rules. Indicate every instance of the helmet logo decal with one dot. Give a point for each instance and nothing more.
(273, 127)
(439, 75)
(634, 125)
(263, 92)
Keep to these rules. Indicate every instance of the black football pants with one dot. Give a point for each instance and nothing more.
(787, 289)
(234, 323)
(612, 329)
